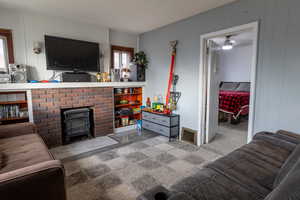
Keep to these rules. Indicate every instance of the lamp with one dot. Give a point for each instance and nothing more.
(228, 44)
(37, 47)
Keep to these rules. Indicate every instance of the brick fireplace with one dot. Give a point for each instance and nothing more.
(48, 103)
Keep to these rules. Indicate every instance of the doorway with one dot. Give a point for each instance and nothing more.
(222, 78)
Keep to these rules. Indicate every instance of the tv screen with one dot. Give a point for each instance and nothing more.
(71, 55)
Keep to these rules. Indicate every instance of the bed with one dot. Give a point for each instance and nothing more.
(234, 98)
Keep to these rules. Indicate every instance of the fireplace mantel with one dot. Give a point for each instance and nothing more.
(29, 86)
(48, 103)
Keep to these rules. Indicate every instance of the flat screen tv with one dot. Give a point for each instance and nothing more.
(71, 55)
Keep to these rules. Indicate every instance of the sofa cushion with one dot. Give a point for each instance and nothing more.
(23, 151)
(255, 165)
(211, 185)
(289, 187)
(278, 140)
(1, 160)
(287, 166)
(294, 136)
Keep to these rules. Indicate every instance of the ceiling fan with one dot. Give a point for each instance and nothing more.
(229, 43)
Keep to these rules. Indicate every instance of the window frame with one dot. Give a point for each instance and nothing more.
(120, 49)
(6, 33)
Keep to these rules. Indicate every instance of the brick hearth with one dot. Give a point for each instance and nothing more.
(47, 105)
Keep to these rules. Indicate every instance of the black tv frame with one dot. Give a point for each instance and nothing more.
(70, 68)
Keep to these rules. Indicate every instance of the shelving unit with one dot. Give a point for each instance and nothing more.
(13, 107)
(127, 105)
(133, 101)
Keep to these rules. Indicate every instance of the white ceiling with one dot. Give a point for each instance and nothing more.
(242, 38)
(136, 16)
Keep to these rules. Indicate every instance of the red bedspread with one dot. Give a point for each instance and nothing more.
(235, 103)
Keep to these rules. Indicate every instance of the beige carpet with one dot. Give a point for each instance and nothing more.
(126, 172)
(229, 138)
(129, 164)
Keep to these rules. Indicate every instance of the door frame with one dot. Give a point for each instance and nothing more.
(203, 78)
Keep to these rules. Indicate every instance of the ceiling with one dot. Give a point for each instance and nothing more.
(135, 16)
(242, 38)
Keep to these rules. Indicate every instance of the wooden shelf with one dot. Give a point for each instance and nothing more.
(119, 95)
(14, 119)
(118, 116)
(125, 105)
(13, 102)
(135, 97)
(125, 126)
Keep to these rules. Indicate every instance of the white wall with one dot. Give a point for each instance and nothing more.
(11, 20)
(235, 65)
(126, 40)
(37, 26)
(277, 102)
(28, 28)
(123, 39)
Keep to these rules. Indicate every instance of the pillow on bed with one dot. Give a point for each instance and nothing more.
(243, 87)
(229, 86)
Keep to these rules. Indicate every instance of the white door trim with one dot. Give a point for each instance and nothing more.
(254, 26)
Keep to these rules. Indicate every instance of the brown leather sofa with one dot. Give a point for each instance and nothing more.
(27, 168)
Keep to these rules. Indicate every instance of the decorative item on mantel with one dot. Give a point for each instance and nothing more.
(102, 77)
(37, 47)
(115, 75)
(141, 61)
(125, 74)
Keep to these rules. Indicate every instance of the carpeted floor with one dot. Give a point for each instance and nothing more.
(138, 163)
(125, 172)
(228, 138)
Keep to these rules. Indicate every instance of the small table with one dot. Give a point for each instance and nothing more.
(166, 125)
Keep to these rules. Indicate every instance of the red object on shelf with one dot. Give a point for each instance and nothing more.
(173, 45)
(44, 81)
(148, 103)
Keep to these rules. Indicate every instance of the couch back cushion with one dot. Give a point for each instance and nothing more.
(1, 160)
(287, 166)
(23, 151)
(289, 187)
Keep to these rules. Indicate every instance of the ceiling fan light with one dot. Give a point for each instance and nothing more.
(227, 47)
(228, 44)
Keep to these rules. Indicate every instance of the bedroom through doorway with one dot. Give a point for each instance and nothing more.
(229, 65)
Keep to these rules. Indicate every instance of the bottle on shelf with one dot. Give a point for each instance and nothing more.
(148, 102)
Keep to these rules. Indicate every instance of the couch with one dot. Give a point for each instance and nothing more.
(27, 168)
(268, 168)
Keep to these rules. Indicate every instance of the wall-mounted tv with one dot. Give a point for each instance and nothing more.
(71, 55)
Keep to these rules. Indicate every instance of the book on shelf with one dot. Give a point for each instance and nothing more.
(12, 111)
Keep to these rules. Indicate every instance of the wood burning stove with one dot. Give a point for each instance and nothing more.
(76, 122)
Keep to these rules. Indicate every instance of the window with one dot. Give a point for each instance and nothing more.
(6, 49)
(3, 54)
(121, 56)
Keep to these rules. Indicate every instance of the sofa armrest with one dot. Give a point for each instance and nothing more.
(13, 130)
(41, 181)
